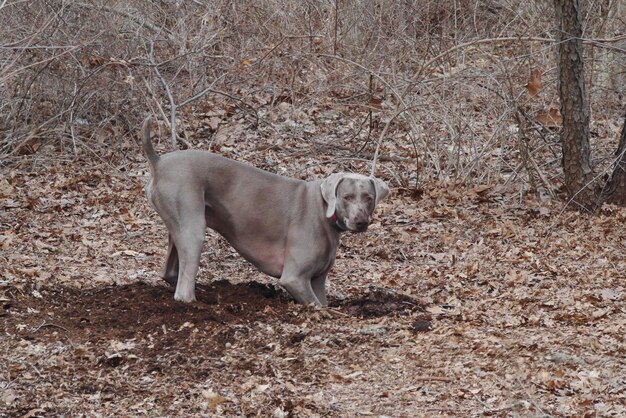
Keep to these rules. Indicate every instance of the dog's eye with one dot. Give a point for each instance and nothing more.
(348, 198)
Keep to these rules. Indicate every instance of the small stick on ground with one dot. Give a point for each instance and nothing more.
(432, 378)
(47, 324)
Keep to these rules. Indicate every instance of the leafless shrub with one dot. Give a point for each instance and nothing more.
(451, 75)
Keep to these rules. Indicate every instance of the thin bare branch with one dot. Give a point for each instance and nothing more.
(170, 97)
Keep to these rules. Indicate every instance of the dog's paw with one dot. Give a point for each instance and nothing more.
(187, 298)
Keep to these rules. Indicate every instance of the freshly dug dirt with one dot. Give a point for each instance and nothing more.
(113, 344)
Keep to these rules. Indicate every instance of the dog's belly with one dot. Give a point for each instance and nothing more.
(267, 258)
(264, 253)
(256, 237)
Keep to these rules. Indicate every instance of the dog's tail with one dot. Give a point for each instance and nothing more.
(148, 150)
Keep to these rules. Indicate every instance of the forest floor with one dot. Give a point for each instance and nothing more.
(458, 301)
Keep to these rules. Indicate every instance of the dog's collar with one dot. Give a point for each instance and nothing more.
(337, 223)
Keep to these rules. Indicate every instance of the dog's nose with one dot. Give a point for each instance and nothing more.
(361, 225)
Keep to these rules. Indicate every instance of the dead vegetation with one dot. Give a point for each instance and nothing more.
(456, 80)
(474, 293)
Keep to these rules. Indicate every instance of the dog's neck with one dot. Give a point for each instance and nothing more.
(337, 223)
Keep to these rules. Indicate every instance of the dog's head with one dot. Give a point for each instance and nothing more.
(351, 199)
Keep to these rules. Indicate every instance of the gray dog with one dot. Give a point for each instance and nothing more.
(287, 228)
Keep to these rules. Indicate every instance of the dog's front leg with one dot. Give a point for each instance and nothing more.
(299, 286)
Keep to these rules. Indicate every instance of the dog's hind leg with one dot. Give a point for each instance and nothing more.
(188, 241)
(183, 214)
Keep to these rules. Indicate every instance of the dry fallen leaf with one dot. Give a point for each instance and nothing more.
(435, 309)
(116, 345)
(534, 85)
(244, 63)
(550, 119)
(6, 189)
(213, 399)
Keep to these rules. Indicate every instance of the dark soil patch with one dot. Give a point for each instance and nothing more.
(223, 310)
(378, 303)
(123, 311)
(113, 337)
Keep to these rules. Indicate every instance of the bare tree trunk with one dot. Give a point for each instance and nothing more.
(615, 191)
(574, 107)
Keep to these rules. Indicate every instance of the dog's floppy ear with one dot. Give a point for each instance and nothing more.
(381, 189)
(329, 192)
